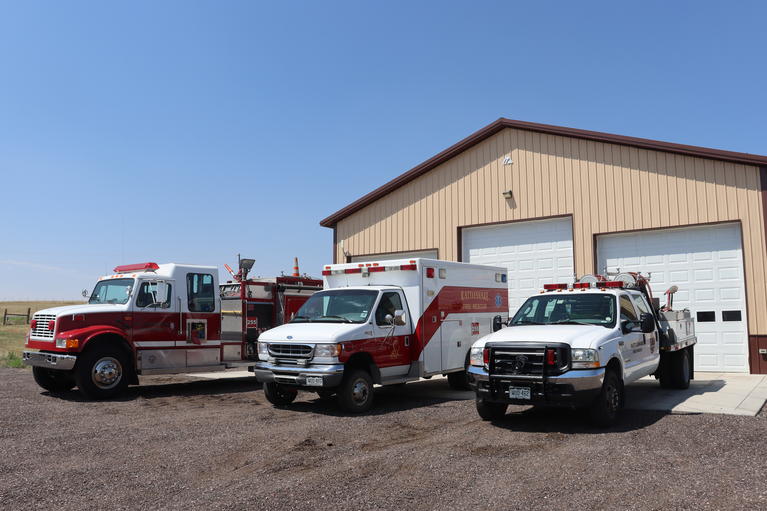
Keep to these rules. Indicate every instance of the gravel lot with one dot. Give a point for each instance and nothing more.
(177, 443)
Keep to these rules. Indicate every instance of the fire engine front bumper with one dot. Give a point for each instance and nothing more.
(319, 376)
(49, 360)
(577, 387)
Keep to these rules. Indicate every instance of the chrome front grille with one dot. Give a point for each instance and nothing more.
(517, 361)
(41, 328)
(291, 350)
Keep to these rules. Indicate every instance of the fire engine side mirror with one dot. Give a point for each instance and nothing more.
(497, 323)
(161, 293)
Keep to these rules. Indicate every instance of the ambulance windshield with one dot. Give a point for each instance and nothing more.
(112, 291)
(337, 306)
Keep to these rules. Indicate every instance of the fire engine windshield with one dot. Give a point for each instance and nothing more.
(112, 291)
(569, 309)
(338, 306)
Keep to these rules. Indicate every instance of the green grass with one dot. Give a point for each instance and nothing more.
(12, 336)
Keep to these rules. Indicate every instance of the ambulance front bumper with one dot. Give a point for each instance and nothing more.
(318, 376)
(49, 360)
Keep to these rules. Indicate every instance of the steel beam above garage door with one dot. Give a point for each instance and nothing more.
(706, 263)
(428, 254)
(535, 252)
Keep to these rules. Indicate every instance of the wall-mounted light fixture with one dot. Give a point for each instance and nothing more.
(507, 194)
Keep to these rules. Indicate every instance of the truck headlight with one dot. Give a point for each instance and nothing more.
(327, 350)
(584, 358)
(263, 351)
(476, 357)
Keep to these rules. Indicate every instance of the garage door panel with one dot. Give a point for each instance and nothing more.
(534, 253)
(706, 263)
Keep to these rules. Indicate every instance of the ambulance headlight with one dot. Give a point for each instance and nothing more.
(584, 358)
(476, 358)
(263, 350)
(327, 350)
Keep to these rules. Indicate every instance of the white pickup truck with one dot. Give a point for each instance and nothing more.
(578, 345)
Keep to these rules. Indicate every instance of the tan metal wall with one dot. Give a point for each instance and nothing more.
(556, 175)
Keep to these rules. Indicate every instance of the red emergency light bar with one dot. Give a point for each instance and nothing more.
(554, 287)
(610, 284)
(372, 269)
(581, 285)
(136, 267)
(353, 270)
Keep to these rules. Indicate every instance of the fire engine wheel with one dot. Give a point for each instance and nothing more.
(279, 395)
(52, 380)
(355, 395)
(101, 374)
(604, 410)
(490, 411)
(677, 373)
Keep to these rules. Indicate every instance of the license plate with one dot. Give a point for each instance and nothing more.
(314, 381)
(519, 393)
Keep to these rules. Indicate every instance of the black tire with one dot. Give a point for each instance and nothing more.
(680, 370)
(53, 381)
(326, 394)
(458, 381)
(491, 411)
(102, 373)
(355, 395)
(605, 408)
(279, 395)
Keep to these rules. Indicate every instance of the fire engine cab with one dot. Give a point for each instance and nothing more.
(384, 322)
(153, 319)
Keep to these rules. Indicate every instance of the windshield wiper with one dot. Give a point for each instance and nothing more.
(339, 317)
(570, 322)
(527, 322)
(301, 317)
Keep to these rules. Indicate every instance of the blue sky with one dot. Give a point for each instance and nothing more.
(191, 131)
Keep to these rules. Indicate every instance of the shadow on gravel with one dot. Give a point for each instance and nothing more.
(383, 403)
(548, 420)
(179, 389)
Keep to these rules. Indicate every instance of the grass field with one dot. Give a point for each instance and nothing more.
(12, 335)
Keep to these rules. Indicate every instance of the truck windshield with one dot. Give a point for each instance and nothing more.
(337, 306)
(112, 291)
(586, 309)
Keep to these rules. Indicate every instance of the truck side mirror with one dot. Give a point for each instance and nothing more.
(497, 323)
(161, 293)
(85, 294)
(647, 322)
(627, 326)
(400, 317)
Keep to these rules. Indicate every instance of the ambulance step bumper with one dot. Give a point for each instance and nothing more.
(49, 360)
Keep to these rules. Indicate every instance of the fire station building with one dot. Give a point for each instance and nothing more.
(549, 202)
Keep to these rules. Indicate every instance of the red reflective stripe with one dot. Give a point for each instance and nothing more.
(374, 269)
(353, 270)
(326, 272)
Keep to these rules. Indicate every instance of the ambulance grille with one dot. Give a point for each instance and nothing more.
(291, 350)
(41, 329)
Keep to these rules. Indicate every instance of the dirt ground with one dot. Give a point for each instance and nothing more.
(178, 443)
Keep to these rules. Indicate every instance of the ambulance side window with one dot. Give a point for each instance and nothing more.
(390, 302)
(200, 294)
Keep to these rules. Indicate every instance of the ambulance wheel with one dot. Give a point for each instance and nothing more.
(279, 395)
(52, 380)
(678, 372)
(604, 410)
(490, 411)
(101, 373)
(458, 381)
(355, 395)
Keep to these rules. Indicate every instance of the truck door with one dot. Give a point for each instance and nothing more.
(631, 344)
(393, 342)
(153, 321)
(650, 348)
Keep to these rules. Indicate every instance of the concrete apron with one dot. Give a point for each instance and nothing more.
(722, 393)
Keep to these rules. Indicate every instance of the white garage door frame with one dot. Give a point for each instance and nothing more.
(713, 256)
(428, 253)
(535, 251)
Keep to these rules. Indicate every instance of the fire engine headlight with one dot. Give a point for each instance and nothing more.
(263, 350)
(584, 358)
(476, 358)
(327, 350)
(67, 343)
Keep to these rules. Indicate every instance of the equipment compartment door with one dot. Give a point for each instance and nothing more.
(454, 342)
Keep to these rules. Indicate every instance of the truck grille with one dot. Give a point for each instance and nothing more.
(41, 329)
(517, 361)
(291, 350)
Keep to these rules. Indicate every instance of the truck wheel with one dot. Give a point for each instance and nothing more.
(680, 370)
(458, 381)
(355, 395)
(604, 410)
(490, 411)
(279, 395)
(101, 373)
(52, 380)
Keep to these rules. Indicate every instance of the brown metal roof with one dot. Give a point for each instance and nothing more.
(500, 124)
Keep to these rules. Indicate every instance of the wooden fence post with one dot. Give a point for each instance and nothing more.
(29, 314)
(5, 315)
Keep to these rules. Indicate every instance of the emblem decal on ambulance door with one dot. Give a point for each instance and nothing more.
(498, 300)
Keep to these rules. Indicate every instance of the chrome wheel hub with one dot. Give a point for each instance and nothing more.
(107, 372)
(360, 392)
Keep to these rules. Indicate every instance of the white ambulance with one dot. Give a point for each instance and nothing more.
(383, 322)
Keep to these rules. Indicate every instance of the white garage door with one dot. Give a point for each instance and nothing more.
(707, 265)
(536, 253)
(429, 254)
